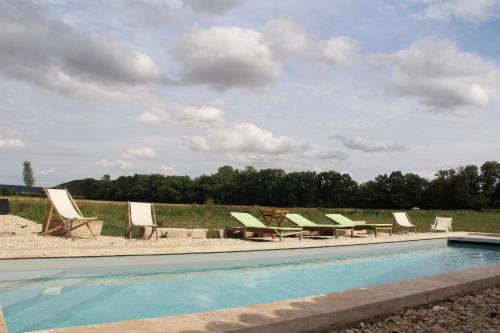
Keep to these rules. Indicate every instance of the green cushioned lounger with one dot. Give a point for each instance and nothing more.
(250, 223)
(340, 219)
(309, 225)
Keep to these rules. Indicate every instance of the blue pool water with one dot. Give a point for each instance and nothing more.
(68, 299)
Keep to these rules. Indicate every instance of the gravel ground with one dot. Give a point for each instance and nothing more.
(478, 312)
(19, 233)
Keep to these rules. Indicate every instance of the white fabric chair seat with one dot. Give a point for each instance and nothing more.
(141, 214)
(442, 224)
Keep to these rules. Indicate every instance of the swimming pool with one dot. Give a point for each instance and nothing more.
(37, 294)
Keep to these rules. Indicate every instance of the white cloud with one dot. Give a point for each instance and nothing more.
(126, 165)
(141, 152)
(56, 56)
(440, 76)
(11, 144)
(244, 138)
(153, 117)
(47, 172)
(331, 155)
(339, 51)
(168, 170)
(212, 6)
(202, 116)
(226, 57)
(466, 10)
(285, 37)
(369, 146)
(105, 163)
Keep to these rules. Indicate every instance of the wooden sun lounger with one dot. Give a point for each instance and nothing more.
(250, 223)
(340, 219)
(309, 225)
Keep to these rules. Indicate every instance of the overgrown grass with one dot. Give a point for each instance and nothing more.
(114, 215)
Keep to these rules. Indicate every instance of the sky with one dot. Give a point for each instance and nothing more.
(183, 87)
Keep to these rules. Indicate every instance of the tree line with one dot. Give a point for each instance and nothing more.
(467, 187)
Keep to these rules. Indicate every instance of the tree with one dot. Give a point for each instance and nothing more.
(490, 182)
(466, 187)
(28, 178)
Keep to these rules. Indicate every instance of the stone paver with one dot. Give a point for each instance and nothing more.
(3, 325)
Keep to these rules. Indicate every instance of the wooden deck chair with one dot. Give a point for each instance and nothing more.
(61, 201)
(142, 214)
(403, 221)
(442, 224)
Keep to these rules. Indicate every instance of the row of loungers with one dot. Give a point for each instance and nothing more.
(252, 224)
(143, 215)
(340, 222)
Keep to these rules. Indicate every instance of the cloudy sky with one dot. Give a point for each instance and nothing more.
(184, 86)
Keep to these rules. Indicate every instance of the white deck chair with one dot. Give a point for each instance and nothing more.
(403, 221)
(442, 224)
(142, 215)
(69, 213)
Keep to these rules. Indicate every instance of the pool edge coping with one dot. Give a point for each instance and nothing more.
(313, 312)
(47, 253)
(3, 324)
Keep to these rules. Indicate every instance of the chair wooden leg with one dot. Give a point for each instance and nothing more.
(68, 230)
(151, 233)
(49, 218)
(90, 229)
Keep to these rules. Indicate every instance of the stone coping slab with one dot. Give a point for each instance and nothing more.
(3, 325)
(60, 252)
(312, 313)
(477, 238)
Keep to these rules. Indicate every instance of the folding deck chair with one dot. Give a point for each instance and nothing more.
(61, 201)
(442, 224)
(403, 221)
(142, 215)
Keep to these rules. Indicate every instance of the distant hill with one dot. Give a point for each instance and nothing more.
(21, 189)
(79, 187)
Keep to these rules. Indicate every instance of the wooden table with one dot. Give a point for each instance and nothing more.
(273, 215)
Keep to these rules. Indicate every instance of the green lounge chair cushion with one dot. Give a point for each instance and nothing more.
(301, 221)
(341, 220)
(249, 221)
(344, 221)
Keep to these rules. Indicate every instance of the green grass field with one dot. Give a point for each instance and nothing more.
(114, 215)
